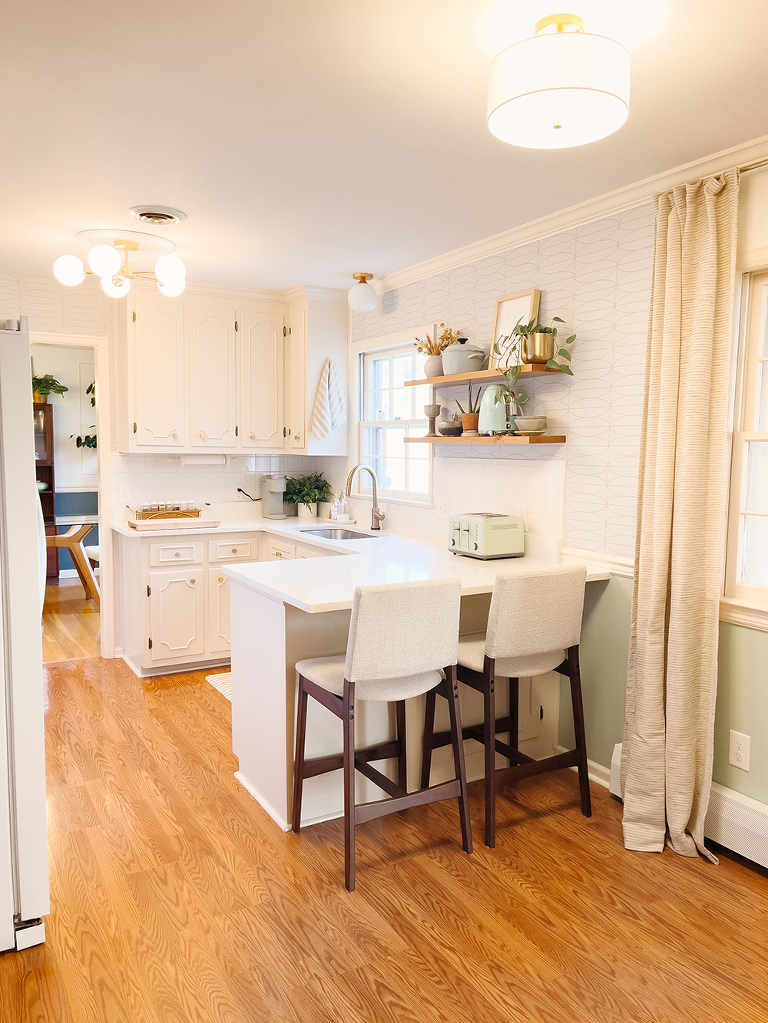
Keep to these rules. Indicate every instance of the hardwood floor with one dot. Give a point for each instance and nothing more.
(176, 899)
(71, 624)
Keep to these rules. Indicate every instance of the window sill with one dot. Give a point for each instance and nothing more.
(385, 499)
(736, 612)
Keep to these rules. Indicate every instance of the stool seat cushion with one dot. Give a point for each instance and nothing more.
(328, 673)
(472, 655)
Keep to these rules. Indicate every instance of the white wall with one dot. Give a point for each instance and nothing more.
(75, 468)
(597, 277)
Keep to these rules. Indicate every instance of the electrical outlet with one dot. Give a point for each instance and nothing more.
(443, 508)
(124, 495)
(738, 750)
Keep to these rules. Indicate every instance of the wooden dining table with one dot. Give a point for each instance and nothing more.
(72, 540)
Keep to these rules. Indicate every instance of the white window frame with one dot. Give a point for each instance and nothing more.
(742, 604)
(358, 351)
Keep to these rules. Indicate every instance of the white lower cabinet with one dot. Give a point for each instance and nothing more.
(219, 631)
(176, 614)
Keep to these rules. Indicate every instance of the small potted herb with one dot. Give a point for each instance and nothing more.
(306, 491)
(535, 343)
(43, 386)
(470, 417)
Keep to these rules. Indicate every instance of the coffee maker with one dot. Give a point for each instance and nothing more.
(272, 490)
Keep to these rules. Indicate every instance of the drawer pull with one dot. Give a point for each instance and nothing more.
(193, 581)
(221, 578)
(278, 554)
(234, 550)
(177, 554)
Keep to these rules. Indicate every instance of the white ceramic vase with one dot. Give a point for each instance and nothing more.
(307, 511)
(433, 366)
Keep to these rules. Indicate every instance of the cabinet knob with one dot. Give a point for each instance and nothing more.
(234, 550)
(221, 578)
(177, 554)
(202, 435)
(253, 436)
(193, 581)
(296, 436)
(174, 435)
(278, 554)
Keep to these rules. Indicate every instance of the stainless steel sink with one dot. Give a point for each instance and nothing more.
(337, 533)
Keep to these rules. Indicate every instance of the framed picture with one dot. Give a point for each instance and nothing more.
(523, 305)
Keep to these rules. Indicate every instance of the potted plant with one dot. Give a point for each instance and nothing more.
(306, 491)
(43, 386)
(470, 417)
(433, 365)
(535, 343)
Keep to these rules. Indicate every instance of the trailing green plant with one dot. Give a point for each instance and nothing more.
(473, 402)
(506, 392)
(508, 348)
(89, 439)
(307, 489)
(48, 385)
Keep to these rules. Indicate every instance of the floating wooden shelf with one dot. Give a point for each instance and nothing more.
(481, 375)
(542, 438)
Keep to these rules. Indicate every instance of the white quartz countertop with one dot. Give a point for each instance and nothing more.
(328, 584)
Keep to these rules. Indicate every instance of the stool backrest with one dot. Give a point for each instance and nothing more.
(534, 612)
(403, 629)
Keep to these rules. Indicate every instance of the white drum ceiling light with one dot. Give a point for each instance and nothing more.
(362, 297)
(109, 252)
(561, 87)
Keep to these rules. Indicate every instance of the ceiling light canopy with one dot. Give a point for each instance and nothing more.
(362, 297)
(109, 254)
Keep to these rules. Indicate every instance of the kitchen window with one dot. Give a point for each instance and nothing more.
(391, 412)
(746, 577)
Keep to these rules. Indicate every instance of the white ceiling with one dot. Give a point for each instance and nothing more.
(308, 139)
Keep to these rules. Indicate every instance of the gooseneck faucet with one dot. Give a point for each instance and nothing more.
(376, 515)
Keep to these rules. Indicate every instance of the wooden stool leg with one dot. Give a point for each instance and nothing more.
(489, 739)
(514, 711)
(429, 729)
(457, 741)
(298, 764)
(402, 776)
(349, 786)
(578, 727)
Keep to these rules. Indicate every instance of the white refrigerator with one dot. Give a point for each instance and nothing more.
(24, 899)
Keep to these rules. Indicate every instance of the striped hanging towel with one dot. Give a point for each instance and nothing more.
(330, 408)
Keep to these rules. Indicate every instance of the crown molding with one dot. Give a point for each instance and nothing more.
(244, 296)
(316, 294)
(629, 197)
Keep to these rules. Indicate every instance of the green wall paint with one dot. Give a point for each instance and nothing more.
(742, 704)
(604, 650)
(742, 692)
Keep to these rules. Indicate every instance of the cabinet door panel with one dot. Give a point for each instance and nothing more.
(159, 377)
(212, 375)
(219, 631)
(261, 381)
(296, 379)
(176, 614)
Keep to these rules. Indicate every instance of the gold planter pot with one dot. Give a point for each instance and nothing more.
(538, 348)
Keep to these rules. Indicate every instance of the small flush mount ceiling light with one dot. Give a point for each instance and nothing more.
(362, 297)
(561, 87)
(110, 254)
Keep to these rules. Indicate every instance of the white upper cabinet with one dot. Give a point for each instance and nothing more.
(212, 378)
(155, 374)
(317, 331)
(261, 381)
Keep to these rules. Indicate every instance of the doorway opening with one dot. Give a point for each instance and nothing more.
(71, 437)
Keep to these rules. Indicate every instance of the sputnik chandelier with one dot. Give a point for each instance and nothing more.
(111, 255)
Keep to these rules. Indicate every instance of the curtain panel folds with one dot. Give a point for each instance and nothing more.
(681, 514)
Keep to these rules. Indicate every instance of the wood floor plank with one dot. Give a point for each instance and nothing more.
(175, 898)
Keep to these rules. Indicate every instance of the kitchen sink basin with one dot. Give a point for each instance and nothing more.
(337, 533)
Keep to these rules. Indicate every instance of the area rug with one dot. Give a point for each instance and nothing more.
(222, 682)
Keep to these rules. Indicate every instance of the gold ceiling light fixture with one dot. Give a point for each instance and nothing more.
(118, 257)
(362, 297)
(563, 86)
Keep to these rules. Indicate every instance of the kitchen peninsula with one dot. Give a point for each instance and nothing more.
(281, 613)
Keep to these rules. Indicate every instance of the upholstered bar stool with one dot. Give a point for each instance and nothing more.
(534, 625)
(403, 642)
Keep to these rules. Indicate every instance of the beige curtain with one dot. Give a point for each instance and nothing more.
(672, 676)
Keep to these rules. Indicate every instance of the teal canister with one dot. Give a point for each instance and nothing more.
(493, 412)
